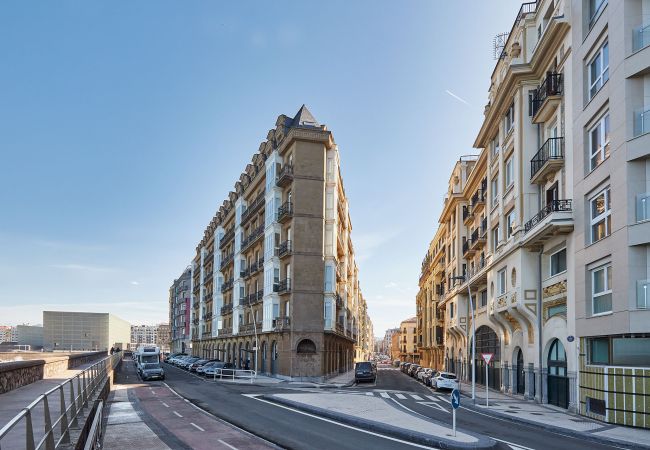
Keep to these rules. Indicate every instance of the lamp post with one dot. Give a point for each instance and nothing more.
(256, 341)
(462, 278)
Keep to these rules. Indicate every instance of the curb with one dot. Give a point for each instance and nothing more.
(577, 434)
(484, 442)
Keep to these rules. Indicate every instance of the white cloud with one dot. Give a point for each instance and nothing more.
(390, 284)
(135, 283)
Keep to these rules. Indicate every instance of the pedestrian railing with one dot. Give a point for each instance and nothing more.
(94, 439)
(58, 410)
(232, 374)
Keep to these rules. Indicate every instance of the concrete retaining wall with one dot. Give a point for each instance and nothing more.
(21, 373)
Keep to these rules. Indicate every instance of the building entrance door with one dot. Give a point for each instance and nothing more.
(558, 382)
(521, 374)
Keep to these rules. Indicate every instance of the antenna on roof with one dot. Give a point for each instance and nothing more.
(499, 44)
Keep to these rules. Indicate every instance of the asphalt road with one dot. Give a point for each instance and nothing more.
(292, 429)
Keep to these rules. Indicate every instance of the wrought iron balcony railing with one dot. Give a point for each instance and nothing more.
(551, 207)
(552, 85)
(552, 150)
(285, 211)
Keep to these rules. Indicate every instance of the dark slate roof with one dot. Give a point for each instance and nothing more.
(304, 118)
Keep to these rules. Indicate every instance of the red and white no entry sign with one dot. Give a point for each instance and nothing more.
(487, 357)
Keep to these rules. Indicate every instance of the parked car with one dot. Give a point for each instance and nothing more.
(444, 380)
(404, 366)
(423, 372)
(200, 369)
(185, 363)
(219, 368)
(196, 364)
(152, 371)
(178, 360)
(426, 378)
(365, 371)
(169, 359)
(412, 369)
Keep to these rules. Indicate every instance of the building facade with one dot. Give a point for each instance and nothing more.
(31, 335)
(388, 337)
(179, 312)
(77, 331)
(611, 196)
(274, 283)
(408, 346)
(528, 232)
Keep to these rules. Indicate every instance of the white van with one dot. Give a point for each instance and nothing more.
(147, 360)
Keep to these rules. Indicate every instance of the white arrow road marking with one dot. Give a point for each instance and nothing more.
(434, 406)
(512, 446)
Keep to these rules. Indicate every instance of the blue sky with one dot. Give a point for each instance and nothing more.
(123, 125)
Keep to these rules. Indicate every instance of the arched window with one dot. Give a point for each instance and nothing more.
(557, 359)
(306, 346)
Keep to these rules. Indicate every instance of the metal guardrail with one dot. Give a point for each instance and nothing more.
(94, 439)
(231, 374)
(79, 390)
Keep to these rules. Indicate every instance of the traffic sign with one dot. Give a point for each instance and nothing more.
(455, 398)
(487, 357)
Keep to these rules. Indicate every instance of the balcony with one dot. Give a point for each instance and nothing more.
(207, 277)
(195, 321)
(252, 207)
(197, 286)
(640, 38)
(641, 122)
(467, 249)
(280, 323)
(555, 218)
(226, 309)
(207, 297)
(285, 176)
(339, 301)
(285, 212)
(252, 237)
(478, 200)
(285, 249)
(283, 286)
(250, 328)
(548, 160)
(207, 316)
(227, 259)
(227, 237)
(547, 97)
(209, 257)
(468, 217)
(478, 239)
(225, 332)
(227, 285)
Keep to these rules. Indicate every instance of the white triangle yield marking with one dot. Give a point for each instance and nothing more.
(415, 397)
(400, 396)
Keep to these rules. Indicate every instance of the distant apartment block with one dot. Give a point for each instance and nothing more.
(179, 312)
(67, 330)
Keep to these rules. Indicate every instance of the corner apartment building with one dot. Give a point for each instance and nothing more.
(388, 336)
(558, 281)
(611, 190)
(408, 346)
(274, 282)
(179, 312)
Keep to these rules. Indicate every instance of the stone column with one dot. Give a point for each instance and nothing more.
(573, 401)
(530, 382)
(544, 378)
(506, 377)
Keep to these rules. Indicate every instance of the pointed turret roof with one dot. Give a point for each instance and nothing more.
(304, 118)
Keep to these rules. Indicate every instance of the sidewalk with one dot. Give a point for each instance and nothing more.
(376, 414)
(552, 417)
(342, 379)
(12, 402)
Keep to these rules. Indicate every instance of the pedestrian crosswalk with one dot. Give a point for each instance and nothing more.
(396, 395)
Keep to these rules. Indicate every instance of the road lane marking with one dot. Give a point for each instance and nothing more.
(512, 445)
(196, 426)
(228, 445)
(165, 404)
(401, 396)
(415, 397)
(371, 394)
(361, 430)
(384, 394)
(177, 414)
(434, 405)
(431, 397)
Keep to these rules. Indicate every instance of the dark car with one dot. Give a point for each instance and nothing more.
(219, 369)
(365, 371)
(404, 367)
(196, 364)
(413, 369)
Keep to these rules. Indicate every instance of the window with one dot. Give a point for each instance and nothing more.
(601, 290)
(599, 142)
(599, 351)
(510, 172)
(501, 281)
(558, 262)
(601, 215)
(631, 351)
(509, 120)
(595, 6)
(495, 146)
(494, 188)
(496, 237)
(483, 299)
(451, 310)
(329, 278)
(510, 220)
(598, 70)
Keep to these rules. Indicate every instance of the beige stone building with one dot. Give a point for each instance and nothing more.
(275, 276)
(408, 346)
(558, 281)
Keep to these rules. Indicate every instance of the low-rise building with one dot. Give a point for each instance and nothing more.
(408, 343)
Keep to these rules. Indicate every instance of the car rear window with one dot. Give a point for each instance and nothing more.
(448, 376)
(364, 366)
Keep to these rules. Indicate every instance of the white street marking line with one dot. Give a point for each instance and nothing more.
(177, 414)
(228, 445)
(513, 446)
(434, 405)
(431, 397)
(196, 426)
(165, 404)
(384, 394)
(254, 396)
(371, 394)
(415, 397)
(401, 396)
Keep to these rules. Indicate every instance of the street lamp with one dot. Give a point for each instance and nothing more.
(471, 306)
(257, 347)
